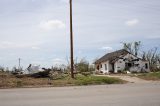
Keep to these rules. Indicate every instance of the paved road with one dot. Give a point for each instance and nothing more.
(132, 94)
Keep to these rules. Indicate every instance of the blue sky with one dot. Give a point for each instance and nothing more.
(37, 31)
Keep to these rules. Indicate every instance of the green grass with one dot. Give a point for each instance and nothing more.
(97, 80)
(87, 80)
(10, 81)
(150, 76)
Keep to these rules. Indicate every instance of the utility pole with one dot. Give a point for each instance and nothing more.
(71, 41)
(19, 64)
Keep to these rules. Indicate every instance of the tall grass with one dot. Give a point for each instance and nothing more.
(150, 76)
(92, 80)
(10, 81)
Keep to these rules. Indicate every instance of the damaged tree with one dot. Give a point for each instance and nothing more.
(153, 57)
(132, 47)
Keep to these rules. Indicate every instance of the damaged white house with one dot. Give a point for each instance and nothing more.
(119, 61)
(32, 68)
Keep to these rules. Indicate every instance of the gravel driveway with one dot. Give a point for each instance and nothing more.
(130, 79)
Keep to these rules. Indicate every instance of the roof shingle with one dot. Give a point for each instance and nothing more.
(112, 56)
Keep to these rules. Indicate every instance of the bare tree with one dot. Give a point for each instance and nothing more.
(2, 68)
(137, 47)
(132, 47)
(128, 47)
(153, 57)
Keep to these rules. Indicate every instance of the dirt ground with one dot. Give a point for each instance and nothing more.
(130, 79)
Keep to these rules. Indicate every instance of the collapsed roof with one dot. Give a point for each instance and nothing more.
(112, 56)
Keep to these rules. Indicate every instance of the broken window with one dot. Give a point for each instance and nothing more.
(146, 66)
(136, 65)
(98, 67)
(128, 65)
(105, 66)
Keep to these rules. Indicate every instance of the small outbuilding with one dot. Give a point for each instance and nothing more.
(119, 61)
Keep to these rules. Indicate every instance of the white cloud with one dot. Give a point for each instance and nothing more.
(80, 52)
(132, 22)
(35, 48)
(153, 37)
(6, 44)
(107, 48)
(52, 24)
(33, 0)
(58, 61)
(36, 62)
(64, 1)
(15, 45)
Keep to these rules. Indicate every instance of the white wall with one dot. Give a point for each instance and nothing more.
(103, 67)
(143, 65)
(120, 64)
(109, 67)
(35, 69)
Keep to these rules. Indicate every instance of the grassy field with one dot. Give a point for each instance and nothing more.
(10, 81)
(150, 76)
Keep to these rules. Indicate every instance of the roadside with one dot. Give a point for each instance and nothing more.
(61, 80)
(23, 81)
(130, 78)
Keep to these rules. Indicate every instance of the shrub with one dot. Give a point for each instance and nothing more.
(83, 66)
(150, 76)
(91, 80)
(19, 83)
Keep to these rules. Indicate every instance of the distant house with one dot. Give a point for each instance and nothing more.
(34, 69)
(119, 61)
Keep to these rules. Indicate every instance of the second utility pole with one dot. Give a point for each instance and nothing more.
(71, 41)
(19, 64)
